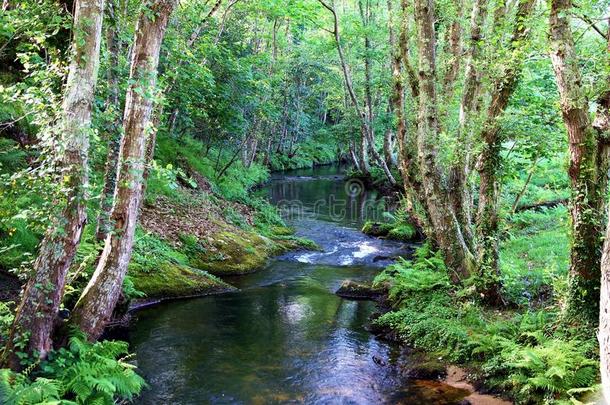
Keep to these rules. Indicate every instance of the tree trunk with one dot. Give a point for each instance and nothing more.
(407, 159)
(603, 335)
(489, 161)
(586, 180)
(388, 148)
(352, 154)
(364, 128)
(470, 104)
(454, 49)
(96, 304)
(447, 232)
(602, 124)
(34, 319)
(112, 131)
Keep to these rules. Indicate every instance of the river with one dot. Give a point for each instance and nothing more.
(284, 337)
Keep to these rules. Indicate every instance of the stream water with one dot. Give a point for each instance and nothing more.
(285, 337)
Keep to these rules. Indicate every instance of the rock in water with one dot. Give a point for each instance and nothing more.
(353, 290)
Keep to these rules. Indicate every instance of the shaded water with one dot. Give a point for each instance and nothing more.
(285, 337)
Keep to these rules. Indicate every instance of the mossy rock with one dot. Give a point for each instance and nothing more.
(175, 281)
(353, 290)
(403, 232)
(376, 228)
(234, 252)
(428, 370)
(281, 231)
(294, 243)
(397, 231)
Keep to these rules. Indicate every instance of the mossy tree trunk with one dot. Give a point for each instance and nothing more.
(96, 304)
(602, 124)
(469, 107)
(35, 317)
(447, 230)
(587, 178)
(445, 193)
(603, 335)
(113, 128)
(489, 160)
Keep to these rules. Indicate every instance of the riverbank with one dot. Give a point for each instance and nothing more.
(525, 350)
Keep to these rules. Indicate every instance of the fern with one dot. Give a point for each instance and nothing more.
(87, 373)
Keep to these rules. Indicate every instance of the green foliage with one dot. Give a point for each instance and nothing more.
(427, 272)
(535, 254)
(6, 319)
(149, 252)
(530, 355)
(404, 232)
(12, 158)
(82, 373)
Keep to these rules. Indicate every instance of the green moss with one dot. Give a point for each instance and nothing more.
(397, 231)
(281, 230)
(403, 232)
(376, 228)
(286, 243)
(174, 280)
(234, 251)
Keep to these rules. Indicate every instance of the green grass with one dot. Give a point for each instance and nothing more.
(535, 253)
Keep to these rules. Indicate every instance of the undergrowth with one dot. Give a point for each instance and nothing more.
(528, 353)
(82, 373)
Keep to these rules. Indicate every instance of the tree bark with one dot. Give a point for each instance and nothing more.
(96, 304)
(454, 49)
(447, 232)
(112, 131)
(388, 148)
(489, 161)
(34, 319)
(470, 104)
(602, 124)
(586, 179)
(603, 335)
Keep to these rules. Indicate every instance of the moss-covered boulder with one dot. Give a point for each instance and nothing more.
(376, 228)
(397, 231)
(427, 370)
(175, 281)
(353, 290)
(233, 251)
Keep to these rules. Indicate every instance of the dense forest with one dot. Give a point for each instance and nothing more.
(139, 139)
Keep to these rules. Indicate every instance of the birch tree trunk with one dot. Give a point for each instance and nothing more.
(96, 304)
(35, 316)
(586, 179)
